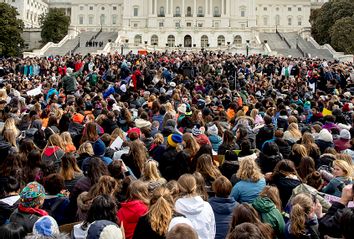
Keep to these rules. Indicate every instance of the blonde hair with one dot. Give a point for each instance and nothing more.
(301, 208)
(161, 210)
(158, 139)
(254, 113)
(307, 138)
(249, 170)
(10, 124)
(10, 136)
(293, 129)
(300, 150)
(67, 140)
(192, 145)
(347, 169)
(54, 140)
(86, 147)
(187, 185)
(151, 172)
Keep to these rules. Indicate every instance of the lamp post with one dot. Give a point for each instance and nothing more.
(247, 46)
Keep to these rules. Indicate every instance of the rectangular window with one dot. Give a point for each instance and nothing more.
(81, 8)
(289, 21)
(136, 12)
(135, 25)
(114, 8)
(243, 13)
(265, 9)
(299, 9)
(189, 24)
(160, 24)
(81, 20)
(90, 20)
(114, 19)
(299, 22)
(200, 24)
(289, 9)
(91, 8)
(178, 25)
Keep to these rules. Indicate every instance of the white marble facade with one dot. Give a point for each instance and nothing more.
(29, 11)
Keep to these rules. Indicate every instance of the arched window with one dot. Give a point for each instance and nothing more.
(137, 40)
(200, 10)
(189, 11)
(162, 11)
(204, 41)
(237, 40)
(277, 20)
(154, 40)
(265, 20)
(216, 12)
(102, 19)
(243, 11)
(171, 41)
(178, 12)
(221, 40)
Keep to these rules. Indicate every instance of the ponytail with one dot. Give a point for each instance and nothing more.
(161, 211)
(298, 220)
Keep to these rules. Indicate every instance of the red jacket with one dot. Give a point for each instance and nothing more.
(129, 215)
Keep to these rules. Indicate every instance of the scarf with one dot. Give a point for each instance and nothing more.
(31, 210)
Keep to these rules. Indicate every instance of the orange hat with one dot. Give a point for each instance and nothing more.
(78, 118)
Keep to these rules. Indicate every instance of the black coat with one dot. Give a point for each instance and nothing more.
(265, 133)
(285, 186)
(329, 224)
(267, 163)
(143, 230)
(167, 162)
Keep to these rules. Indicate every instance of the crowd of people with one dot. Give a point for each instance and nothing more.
(173, 145)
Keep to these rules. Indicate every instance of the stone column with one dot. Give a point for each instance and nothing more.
(182, 10)
(222, 8)
(195, 8)
(211, 8)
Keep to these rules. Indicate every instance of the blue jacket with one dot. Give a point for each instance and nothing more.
(215, 141)
(246, 191)
(223, 208)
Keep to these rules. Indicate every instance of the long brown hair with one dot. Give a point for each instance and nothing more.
(69, 166)
(272, 193)
(301, 208)
(191, 144)
(138, 190)
(161, 210)
(90, 132)
(206, 167)
(138, 153)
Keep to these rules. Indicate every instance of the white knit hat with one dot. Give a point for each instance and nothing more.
(325, 135)
(213, 130)
(345, 134)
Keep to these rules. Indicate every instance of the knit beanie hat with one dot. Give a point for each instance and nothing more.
(99, 148)
(196, 130)
(345, 134)
(31, 194)
(325, 135)
(104, 229)
(45, 226)
(174, 139)
(78, 118)
(213, 130)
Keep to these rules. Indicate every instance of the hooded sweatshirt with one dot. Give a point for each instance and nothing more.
(223, 208)
(269, 214)
(200, 213)
(215, 141)
(129, 215)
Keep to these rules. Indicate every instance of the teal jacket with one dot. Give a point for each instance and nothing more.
(270, 214)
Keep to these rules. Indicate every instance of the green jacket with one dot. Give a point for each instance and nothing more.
(270, 214)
